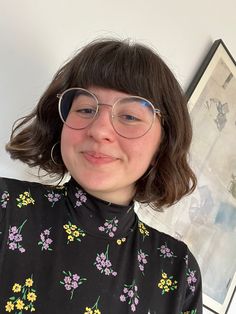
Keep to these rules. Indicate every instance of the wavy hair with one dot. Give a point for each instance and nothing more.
(131, 68)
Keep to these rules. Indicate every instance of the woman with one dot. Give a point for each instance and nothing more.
(113, 118)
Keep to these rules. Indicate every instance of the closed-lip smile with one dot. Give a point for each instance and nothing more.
(98, 158)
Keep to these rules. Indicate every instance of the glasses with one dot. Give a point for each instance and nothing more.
(131, 117)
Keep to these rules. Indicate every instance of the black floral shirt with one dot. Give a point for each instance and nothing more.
(65, 251)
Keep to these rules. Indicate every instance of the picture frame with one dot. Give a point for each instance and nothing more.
(206, 219)
(212, 106)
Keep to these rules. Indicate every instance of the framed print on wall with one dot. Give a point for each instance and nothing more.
(206, 219)
(212, 106)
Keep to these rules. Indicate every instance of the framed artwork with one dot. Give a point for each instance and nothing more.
(206, 219)
(212, 106)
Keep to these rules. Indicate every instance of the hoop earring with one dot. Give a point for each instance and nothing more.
(51, 154)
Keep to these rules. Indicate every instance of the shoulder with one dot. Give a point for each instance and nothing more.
(19, 192)
(161, 238)
(15, 184)
(169, 246)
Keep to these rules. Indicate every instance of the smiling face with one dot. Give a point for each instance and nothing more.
(105, 164)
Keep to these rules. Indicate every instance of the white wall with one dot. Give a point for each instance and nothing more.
(37, 36)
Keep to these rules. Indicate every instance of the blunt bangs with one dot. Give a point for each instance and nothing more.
(118, 65)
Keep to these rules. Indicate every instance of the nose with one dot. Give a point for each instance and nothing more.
(101, 128)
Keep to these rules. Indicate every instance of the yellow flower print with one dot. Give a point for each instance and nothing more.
(23, 298)
(9, 307)
(31, 296)
(160, 285)
(73, 232)
(76, 233)
(70, 238)
(16, 288)
(120, 241)
(24, 199)
(20, 304)
(143, 230)
(88, 310)
(167, 284)
(166, 288)
(29, 282)
(94, 309)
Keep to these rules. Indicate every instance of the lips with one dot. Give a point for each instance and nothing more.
(98, 158)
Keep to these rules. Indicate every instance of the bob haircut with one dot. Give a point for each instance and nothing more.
(127, 67)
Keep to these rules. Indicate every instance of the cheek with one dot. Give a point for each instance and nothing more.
(69, 138)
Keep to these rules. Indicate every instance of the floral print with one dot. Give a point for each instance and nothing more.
(165, 251)
(110, 227)
(143, 230)
(74, 233)
(4, 199)
(24, 199)
(103, 264)
(71, 282)
(45, 240)
(130, 295)
(167, 284)
(23, 299)
(80, 198)
(191, 280)
(142, 260)
(15, 238)
(53, 197)
(120, 241)
(94, 309)
(119, 265)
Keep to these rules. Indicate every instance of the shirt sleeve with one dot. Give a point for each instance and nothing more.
(193, 297)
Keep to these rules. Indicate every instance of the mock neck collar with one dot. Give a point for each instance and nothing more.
(98, 217)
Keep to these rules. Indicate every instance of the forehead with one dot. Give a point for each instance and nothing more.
(107, 95)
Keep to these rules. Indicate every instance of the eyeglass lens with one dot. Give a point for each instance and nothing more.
(131, 116)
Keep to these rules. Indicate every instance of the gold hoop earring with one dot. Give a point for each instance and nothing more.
(51, 154)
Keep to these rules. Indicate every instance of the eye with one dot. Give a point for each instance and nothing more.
(85, 112)
(128, 117)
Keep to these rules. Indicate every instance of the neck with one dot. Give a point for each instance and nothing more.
(118, 197)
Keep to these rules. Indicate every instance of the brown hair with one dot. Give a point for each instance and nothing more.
(127, 67)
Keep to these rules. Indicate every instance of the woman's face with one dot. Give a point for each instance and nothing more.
(105, 164)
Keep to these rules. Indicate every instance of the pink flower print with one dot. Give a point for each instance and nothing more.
(4, 199)
(53, 197)
(12, 246)
(110, 227)
(71, 282)
(46, 241)
(142, 259)
(103, 264)
(191, 280)
(15, 238)
(81, 198)
(166, 252)
(130, 295)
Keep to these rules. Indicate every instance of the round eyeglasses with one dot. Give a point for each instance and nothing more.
(131, 117)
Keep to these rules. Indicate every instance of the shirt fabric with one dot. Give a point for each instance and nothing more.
(65, 251)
